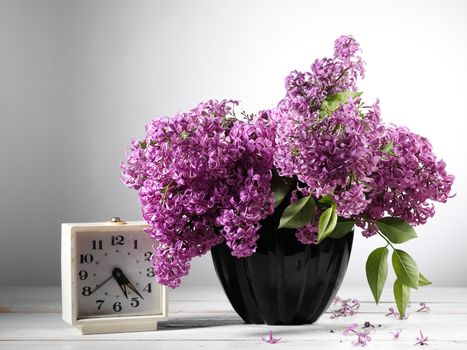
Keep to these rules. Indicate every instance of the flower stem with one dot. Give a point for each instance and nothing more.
(387, 240)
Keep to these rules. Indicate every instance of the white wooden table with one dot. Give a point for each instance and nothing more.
(202, 318)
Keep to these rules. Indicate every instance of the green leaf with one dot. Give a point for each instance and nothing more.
(280, 186)
(396, 230)
(423, 281)
(343, 227)
(402, 296)
(377, 271)
(332, 102)
(405, 268)
(389, 148)
(143, 144)
(327, 223)
(327, 200)
(299, 213)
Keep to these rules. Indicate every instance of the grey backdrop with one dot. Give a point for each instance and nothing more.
(79, 78)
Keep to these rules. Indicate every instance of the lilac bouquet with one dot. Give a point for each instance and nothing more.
(211, 175)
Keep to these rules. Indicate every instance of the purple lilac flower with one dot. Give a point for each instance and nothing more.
(350, 328)
(363, 336)
(308, 234)
(395, 314)
(421, 340)
(270, 339)
(392, 312)
(342, 154)
(331, 155)
(348, 307)
(424, 308)
(406, 183)
(202, 178)
(396, 333)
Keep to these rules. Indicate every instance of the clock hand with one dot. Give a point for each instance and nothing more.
(101, 284)
(132, 287)
(123, 282)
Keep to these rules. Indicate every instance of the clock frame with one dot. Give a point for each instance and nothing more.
(69, 261)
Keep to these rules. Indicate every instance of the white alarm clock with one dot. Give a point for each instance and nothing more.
(108, 282)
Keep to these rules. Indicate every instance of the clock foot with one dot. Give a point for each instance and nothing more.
(118, 327)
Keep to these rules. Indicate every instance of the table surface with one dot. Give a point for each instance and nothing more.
(202, 318)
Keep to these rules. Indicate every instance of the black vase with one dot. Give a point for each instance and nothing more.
(284, 282)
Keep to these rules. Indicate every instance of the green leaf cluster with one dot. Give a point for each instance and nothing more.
(394, 231)
(302, 212)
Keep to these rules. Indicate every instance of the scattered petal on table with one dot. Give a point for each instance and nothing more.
(395, 314)
(270, 339)
(348, 307)
(396, 333)
(421, 340)
(424, 308)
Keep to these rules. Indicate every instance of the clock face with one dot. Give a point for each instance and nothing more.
(114, 275)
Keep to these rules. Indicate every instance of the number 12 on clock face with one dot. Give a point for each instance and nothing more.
(108, 282)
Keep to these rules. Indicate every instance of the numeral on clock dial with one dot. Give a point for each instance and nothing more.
(118, 240)
(83, 275)
(97, 244)
(117, 306)
(99, 304)
(134, 302)
(147, 256)
(86, 258)
(148, 288)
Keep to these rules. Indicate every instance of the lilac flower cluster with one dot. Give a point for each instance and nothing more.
(202, 177)
(370, 169)
(407, 180)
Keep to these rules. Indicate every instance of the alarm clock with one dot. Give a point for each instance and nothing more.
(108, 282)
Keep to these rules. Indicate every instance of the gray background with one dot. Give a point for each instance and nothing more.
(79, 78)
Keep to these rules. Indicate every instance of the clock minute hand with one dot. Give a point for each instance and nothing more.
(123, 282)
(101, 284)
(132, 287)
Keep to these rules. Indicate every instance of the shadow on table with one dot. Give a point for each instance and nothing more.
(200, 322)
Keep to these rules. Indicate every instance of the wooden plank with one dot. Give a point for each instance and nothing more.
(30, 299)
(429, 293)
(214, 301)
(50, 327)
(203, 318)
(217, 345)
(200, 307)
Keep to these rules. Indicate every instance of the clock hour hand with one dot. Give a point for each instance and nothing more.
(124, 283)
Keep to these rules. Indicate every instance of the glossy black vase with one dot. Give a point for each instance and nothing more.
(285, 282)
